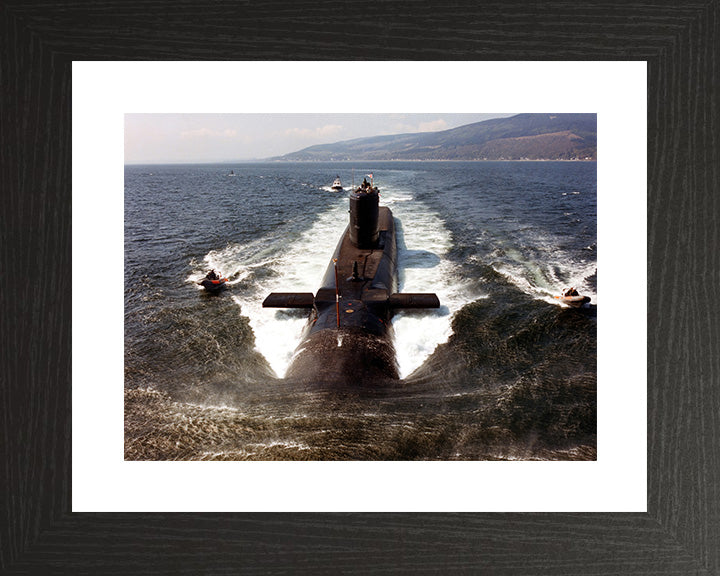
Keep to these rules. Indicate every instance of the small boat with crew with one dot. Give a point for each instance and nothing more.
(571, 297)
(337, 185)
(213, 282)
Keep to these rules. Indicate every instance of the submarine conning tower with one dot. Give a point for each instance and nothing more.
(348, 337)
(364, 217)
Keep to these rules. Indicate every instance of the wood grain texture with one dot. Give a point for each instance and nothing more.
(680, 534)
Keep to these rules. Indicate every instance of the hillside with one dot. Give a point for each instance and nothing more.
(520, 137)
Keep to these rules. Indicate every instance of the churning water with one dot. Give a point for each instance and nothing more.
(499, 371)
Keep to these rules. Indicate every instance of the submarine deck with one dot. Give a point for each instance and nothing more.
(366, 302)
(363, 301)
(375, 266)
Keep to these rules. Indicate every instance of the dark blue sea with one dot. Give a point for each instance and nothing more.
(501, 371)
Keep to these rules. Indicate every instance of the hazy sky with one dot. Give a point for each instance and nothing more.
(159, 138)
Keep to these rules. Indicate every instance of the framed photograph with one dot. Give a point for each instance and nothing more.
(64, 367)
(503, 236)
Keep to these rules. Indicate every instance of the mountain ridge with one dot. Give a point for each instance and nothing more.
(528, 136)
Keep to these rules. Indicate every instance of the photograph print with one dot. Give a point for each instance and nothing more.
(360, 286)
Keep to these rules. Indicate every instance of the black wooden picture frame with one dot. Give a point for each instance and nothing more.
(680, 533)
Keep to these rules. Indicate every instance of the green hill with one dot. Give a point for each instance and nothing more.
(520, 137)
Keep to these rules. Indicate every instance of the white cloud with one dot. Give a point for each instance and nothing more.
(433, 126)
(400, 128)
(207, 133)
(320, 132)
(405, 128)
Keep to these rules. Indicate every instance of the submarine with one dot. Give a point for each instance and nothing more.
(349, 338)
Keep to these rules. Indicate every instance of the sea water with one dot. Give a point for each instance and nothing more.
(500, 371)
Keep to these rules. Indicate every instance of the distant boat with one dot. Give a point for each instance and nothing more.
(337, 185)
(232, 173)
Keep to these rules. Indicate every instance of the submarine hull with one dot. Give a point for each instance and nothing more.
(349, 337)
(344, 356)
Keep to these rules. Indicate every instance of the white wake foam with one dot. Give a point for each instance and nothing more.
(549, 272)
(297, 264)
(285, 263)
(424, 267)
